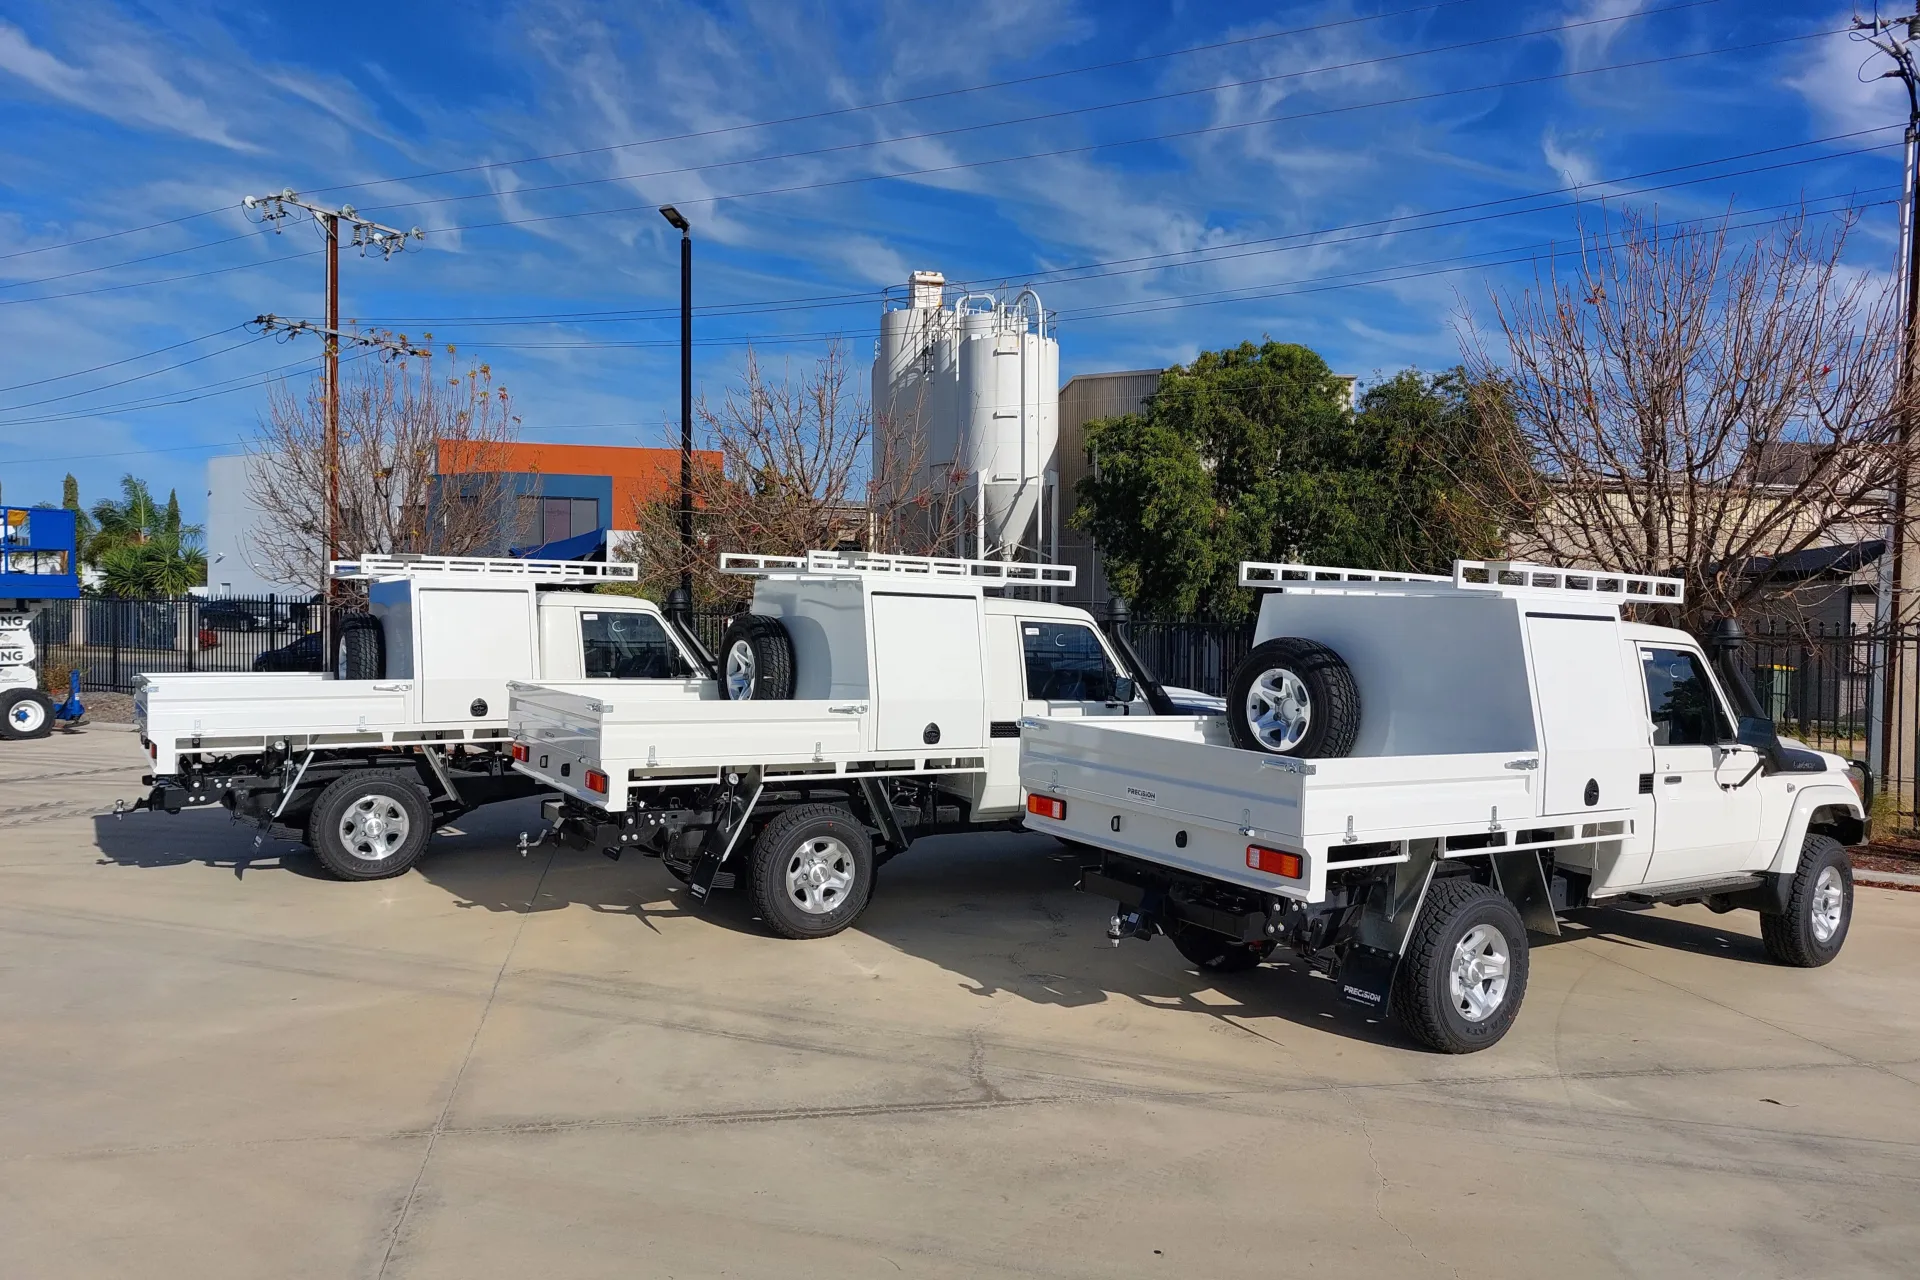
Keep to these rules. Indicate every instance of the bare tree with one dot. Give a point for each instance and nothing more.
(788, 470)
(1682, 403)
(421, 465)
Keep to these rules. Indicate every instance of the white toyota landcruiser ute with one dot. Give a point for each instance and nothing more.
(1415, 771)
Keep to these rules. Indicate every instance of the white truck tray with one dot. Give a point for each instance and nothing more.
(638, 740)
(1167, 789)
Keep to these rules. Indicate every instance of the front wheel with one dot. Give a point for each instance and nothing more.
(1813, 928)
(812, 871)
(370, 824)
(1464, 972)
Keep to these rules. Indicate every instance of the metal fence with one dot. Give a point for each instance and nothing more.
(1826, 686)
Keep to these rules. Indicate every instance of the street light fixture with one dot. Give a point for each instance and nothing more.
(679, 223)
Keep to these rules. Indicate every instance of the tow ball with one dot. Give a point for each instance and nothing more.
(1130, 924)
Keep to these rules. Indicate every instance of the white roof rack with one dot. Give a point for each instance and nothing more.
(384, 566)
(1503, 577)
(1016, 572)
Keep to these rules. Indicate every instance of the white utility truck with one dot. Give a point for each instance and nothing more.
(410, 729)
(1413, 771)
(865, 701)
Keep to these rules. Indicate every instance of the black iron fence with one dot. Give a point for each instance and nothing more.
(1827, 686)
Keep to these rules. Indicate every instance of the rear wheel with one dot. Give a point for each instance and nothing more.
(25, 713)
(1464, 972)
(1293, 697)
(1212, 952)
(370, 825)
(756, 660)
(812, 871)
(1819, 907)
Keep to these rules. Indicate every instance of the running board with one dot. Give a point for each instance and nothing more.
(1685, 892)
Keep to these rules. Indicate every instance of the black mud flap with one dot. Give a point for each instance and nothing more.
(729, 820)
(1366, 976)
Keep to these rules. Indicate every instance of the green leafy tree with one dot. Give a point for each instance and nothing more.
(143, 548)
(82, 523)
(1253, 454)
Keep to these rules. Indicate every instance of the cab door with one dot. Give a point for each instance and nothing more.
(1705, 823)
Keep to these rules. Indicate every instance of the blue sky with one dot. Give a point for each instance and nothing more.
(1264, 186)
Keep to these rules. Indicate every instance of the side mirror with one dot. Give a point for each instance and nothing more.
(1123, 689)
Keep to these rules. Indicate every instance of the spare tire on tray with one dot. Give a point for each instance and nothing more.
(1293, 697)
(756, 660)
(363, 648)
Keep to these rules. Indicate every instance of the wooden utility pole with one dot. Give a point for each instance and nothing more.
(271, 211)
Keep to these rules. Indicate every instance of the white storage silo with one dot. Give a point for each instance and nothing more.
(968, 395)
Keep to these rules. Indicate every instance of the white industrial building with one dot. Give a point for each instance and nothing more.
(234, 525)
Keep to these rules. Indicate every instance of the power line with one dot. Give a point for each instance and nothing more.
(161, 400)
(142, 284)
(114, 364)
(1062, 113)
(114, 235)
(107, 386)
(1190, 257)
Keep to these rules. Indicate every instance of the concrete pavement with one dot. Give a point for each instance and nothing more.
(214, 1063)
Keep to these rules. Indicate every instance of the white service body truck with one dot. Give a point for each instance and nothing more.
(410, 729)
(865, 701)
(1481, 753)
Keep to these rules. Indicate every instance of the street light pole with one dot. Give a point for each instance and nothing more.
(674, 217)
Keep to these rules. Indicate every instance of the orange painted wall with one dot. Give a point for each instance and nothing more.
(639, 475)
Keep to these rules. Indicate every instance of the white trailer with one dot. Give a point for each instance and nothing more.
(410, 728)
(864, 702)
(1429, 767)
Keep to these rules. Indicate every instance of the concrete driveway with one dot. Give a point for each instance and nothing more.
(214, 1063)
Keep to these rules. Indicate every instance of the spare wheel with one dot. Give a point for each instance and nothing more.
(1293, 697)
(756, 660)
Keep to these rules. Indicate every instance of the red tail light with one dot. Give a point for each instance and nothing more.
(1275, 862)
(596, 782)
(1047, 807)
(521, 752)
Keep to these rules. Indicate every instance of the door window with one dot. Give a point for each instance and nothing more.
(628, 646)
(1686, 712)
(1066, 663)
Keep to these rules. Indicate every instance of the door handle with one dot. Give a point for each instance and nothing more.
(391, 688)
(853, 709)
(1672, 779)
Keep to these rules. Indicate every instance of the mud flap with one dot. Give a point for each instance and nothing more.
(1519, 877)
(1366, 976)
(730, 813)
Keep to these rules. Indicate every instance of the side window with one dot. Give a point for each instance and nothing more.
(1065, 663)
(628, 646)
(1686, 711)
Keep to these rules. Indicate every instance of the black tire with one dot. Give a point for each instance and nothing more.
(1212, 952)
(25, 713)
(363, 648)
(837, 845)
(1808, 934)
(1423, 997)
(370, 850)
(1331, 704)
(756, 660)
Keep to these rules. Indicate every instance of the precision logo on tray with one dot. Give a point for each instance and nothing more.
(1142, 795)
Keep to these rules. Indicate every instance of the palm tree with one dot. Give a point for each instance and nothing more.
(143, 548)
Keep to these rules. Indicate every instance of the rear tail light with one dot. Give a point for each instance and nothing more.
(521, 753)
(1047, 807)
(1275, 862)
(596, 782)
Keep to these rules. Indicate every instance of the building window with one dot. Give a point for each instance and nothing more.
(544, 520)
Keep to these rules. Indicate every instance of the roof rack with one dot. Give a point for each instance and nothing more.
(1502, 577)
(1016, 572)
(389, 566)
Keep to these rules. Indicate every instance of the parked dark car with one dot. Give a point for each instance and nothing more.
(242, 615)
(302, 655)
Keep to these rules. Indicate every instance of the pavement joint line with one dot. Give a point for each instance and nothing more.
(453, 1090)
(1874, 879)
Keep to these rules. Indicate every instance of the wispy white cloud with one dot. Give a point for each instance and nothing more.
(119, 81)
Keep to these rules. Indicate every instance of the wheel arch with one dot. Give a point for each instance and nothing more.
(1826, 808)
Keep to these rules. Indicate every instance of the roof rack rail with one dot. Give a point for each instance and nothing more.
(1503, 577)
(1015, 572)
(388, 566)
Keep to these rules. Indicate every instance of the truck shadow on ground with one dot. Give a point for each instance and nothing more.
(207, 837)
